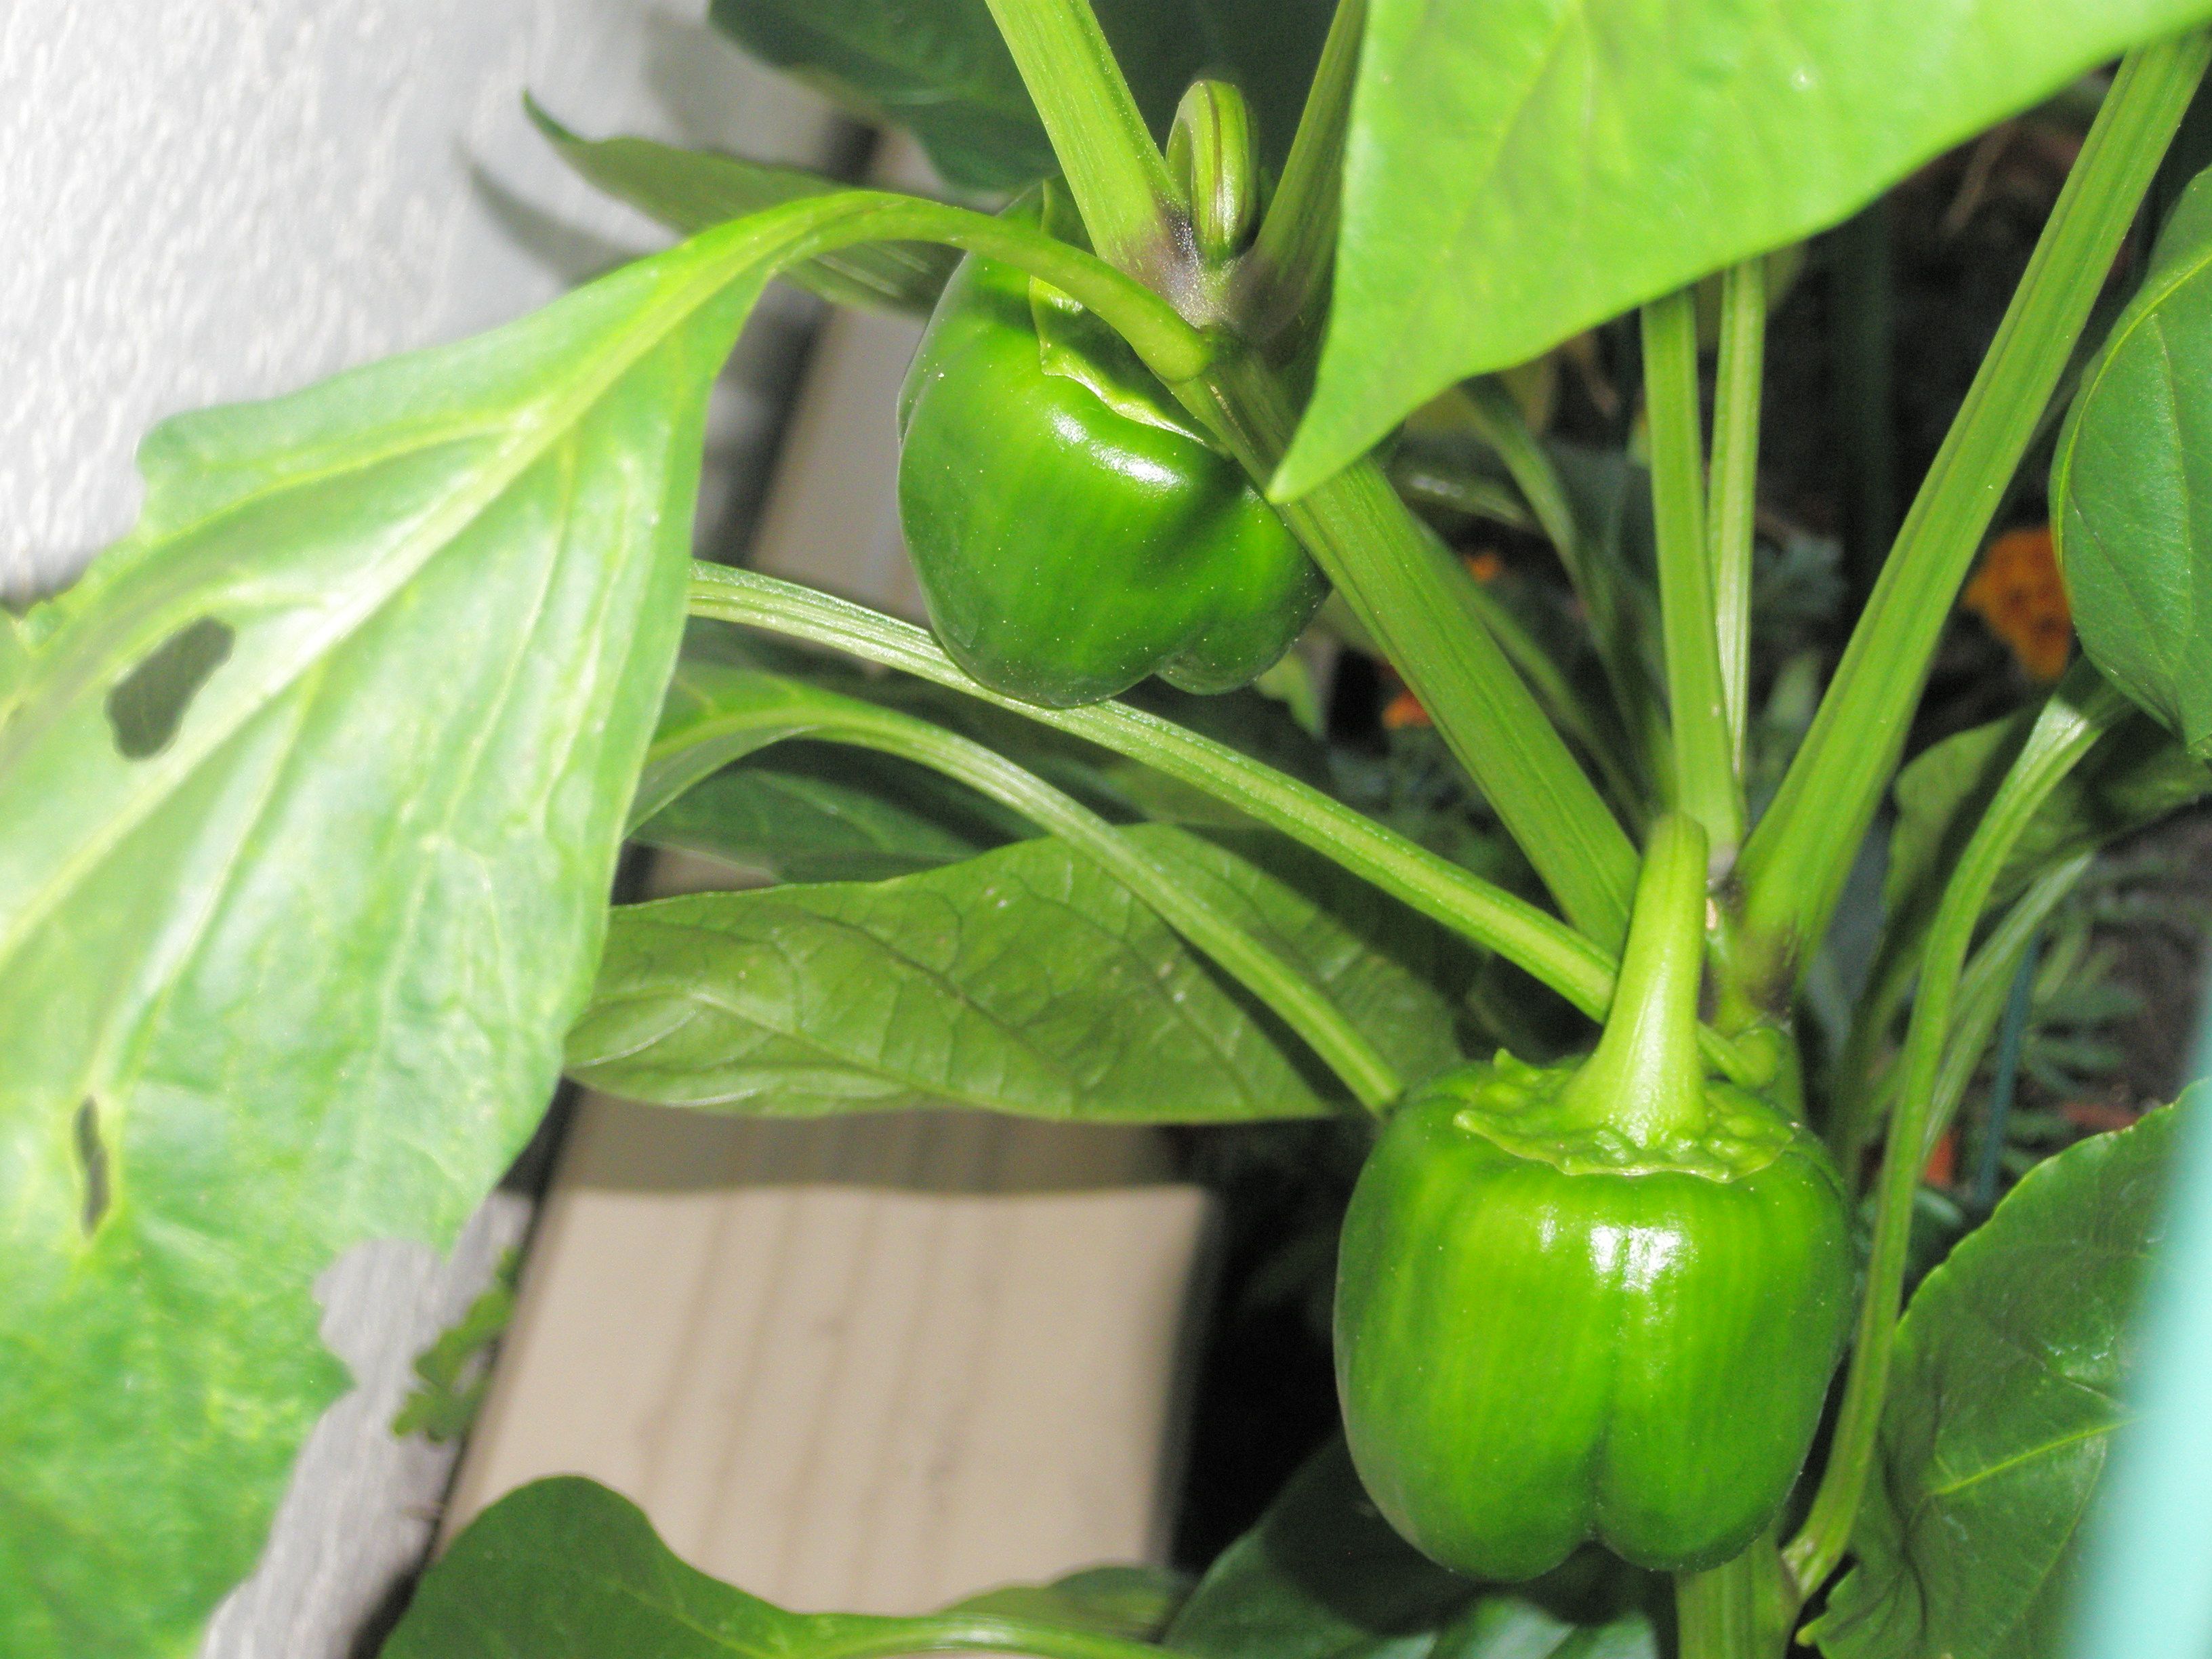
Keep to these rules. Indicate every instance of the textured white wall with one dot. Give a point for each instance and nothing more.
(213, 199)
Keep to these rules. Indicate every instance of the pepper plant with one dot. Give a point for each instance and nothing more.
(310, 791)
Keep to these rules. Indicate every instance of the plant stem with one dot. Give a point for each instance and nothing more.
(1793, 867)
(1697, 699)
(1281, 286)
(1170, 347)
(1645, 1079)
(1734, 1611)
(1421, 607)
(1113, 169)
(1538, 944)
(1294, 998)
(1738, 381)
(2082, 709)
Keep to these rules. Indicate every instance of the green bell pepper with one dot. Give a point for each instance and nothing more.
(1600, 1301)
(1072, 528)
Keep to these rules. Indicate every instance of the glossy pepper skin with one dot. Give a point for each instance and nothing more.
(1555, 1323)
(1071, 531)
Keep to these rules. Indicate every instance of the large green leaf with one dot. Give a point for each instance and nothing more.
(2131, 487)
(309, 797)
(2011, 1366)
(1323, 1577)
(690, 190)
(1025, 981)
(1518, 170)
(938, 68)
(564, 1569)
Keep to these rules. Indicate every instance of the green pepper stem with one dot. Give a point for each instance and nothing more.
(1645, 1077)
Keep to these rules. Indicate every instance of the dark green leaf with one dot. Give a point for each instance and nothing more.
(810, 812)
(1518, 170)
(938, 68)
(689, 190)
(1323, 1577)
(2011, 1365)
(309, 797)
(1025, 981)
(2131, 487)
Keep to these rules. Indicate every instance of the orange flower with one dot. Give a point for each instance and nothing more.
(2018, 593)
(1485, 566)
(1404, 710)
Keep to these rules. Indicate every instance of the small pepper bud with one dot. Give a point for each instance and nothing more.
(1212, 161)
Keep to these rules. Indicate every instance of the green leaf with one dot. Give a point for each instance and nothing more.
(1323, 1577)
(309, 797)
(564, 1569)
(938, 68)
(691, 190)
(811, 813)
(2131, 487)
(1025, 981)
(2011, 1365)
(1518, 170)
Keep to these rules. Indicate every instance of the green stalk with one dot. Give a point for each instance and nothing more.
(1281, 287)
(2064, 732)
(1405, 589)
(1738, 379)
(1794, 866)
(1538, 944)
(1734, 1611)
(1696, 701)
(1115, 171)
(1420, 605)
(1556, 694)
(1645, 1077)
(1294, 999)
(1170, 346)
